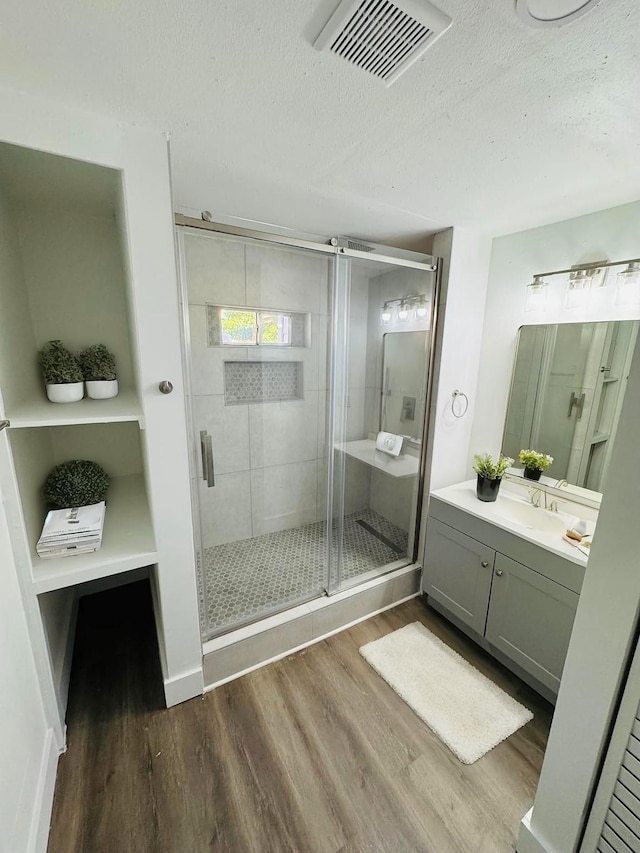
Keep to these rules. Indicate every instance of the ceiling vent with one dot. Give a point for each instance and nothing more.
(382, 37)
(353, 243)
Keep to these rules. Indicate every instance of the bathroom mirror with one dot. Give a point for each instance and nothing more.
(568, 385)
(402, 398)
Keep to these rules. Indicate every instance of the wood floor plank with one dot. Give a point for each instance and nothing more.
(312, 754)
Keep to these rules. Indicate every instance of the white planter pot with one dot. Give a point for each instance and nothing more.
(70, 392)
(102, 389)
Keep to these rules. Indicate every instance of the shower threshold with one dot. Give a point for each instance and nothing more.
(242, 650)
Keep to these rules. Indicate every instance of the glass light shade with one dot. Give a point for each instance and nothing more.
(536, 299)
(628, 285)
(577, 294)
(423, 308)
(403, 311)
(386, 315)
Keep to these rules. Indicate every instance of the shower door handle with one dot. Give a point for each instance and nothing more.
(577, 402)
(206, 449)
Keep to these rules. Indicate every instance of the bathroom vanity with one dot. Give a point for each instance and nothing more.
(502, 573)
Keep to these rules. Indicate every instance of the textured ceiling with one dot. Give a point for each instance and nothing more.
(499, 126)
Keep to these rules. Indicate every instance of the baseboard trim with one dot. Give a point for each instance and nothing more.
(527, 841)
(182, 687)
(43, 801)
(312, 642)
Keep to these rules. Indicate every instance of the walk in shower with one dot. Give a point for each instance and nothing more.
(298, 356)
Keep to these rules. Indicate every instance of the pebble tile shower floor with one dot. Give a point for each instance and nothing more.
(254, 576)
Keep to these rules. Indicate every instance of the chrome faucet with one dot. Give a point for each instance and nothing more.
(560, 484)
(536, 496)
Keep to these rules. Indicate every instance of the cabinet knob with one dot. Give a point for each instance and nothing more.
(499, 573)
(484, 564)
(165, 387)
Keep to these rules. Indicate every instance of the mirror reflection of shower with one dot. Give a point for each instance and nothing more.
(567, 390)
(403, 383)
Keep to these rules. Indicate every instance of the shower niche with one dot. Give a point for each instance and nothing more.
(293, 503)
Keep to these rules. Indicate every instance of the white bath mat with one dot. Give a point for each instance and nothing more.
(467, 711)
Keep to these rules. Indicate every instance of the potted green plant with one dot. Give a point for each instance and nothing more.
(99, 370)
(489, 475)
(62, 373)
(534, 463)
(78, 482)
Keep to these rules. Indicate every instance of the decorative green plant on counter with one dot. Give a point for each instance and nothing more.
(486, 467)
(535, 461)
(489, 475)
(79, 482)
(59, 366)
(98, 364)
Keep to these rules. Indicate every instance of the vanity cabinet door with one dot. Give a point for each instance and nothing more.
(530, 620)
(458, 571)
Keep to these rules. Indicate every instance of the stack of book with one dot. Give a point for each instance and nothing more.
(67, 532)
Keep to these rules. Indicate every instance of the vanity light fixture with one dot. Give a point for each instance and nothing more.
(628, 285)
(405, 306)
(423, 307)
(584, 278)
(578, 286)
(536, 299)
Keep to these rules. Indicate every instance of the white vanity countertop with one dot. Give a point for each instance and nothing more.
(404, 465)
(501, 512)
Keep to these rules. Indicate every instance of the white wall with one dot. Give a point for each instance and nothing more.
(22, 719)
(69, 251)
(600, 645)
(465, 257)
(612, 234)
(17, 342)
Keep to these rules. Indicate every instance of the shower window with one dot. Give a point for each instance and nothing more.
(239, 327)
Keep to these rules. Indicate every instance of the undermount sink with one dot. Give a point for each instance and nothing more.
(530, 516)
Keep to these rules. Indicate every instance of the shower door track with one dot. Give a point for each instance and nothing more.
(326, 248)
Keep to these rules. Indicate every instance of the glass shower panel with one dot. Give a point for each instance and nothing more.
(258, 325)
(386, 316)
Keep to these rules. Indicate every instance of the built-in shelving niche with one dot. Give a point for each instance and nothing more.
(63, 263)
(262, 381)
(128, 541)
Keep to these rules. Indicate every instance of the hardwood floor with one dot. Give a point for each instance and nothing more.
(313, 754)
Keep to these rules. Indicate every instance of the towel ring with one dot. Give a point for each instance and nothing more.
(456, 395)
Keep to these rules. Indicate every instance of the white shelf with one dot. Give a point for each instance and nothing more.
(396, 466)
(42, 413)
(127, 541)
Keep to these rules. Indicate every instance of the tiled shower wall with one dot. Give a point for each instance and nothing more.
(269, 457)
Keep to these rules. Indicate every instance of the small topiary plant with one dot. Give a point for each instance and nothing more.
(79, 482)
(485, 466)
(98, 364)
(535, 461)
(59, 366)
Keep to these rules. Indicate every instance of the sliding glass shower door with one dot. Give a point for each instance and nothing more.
(258, 327)
(288, 364)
